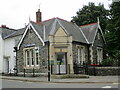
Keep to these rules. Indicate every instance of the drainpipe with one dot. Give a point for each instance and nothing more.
(48, 62)
(15, 48)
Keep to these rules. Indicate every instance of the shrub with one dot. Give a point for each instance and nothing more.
(108, 62)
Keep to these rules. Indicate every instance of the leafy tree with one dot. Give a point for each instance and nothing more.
(88, 14)
(113, 31)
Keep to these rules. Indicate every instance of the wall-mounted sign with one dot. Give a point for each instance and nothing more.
(52, 62)
(36, 49)
(29, 45)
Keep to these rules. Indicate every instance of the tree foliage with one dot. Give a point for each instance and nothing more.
(113, 31)
(88, 14)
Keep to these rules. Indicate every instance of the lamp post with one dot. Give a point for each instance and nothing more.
(48, 63)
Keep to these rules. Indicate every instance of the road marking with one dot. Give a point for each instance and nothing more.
(107, 87)
(116, 83)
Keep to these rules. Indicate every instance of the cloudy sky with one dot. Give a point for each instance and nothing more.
(15, 13)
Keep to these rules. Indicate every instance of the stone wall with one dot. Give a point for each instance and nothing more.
(103, 71)
(31, 38)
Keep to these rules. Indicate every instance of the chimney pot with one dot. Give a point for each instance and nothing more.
(4, 26)
(38, 16)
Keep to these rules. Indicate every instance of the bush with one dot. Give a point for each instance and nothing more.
(108, 62)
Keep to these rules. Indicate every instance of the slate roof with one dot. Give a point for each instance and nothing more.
(7, 32)
(52, 25)
(84, 34)
(89, 31)
(16, 33)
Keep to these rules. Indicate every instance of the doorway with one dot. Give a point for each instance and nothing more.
(61, 63)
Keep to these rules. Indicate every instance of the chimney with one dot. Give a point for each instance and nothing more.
(4, 26)
(38, 16)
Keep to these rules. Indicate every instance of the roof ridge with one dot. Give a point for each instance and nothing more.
(40, 23)
(48, 19)
(64, 20)
(89, 24)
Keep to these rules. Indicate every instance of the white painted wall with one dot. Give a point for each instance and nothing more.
(9, 45)
(1, 52)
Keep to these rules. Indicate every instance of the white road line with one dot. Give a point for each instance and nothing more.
(107, 87)
(116, 83)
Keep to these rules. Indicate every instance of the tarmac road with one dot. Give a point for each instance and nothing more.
(24, 84)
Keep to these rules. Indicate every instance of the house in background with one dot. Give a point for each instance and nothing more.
(8, 39)
(65, 44)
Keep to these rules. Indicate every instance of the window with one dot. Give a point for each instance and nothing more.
(99, 55)
(36, 56)
(31, 57)
(37, 59)
(27, 57)
(98, 35)
(80, 55)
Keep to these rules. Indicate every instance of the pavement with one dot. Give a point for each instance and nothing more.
(91, 79)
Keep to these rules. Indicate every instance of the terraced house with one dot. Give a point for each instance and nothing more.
(64, 44)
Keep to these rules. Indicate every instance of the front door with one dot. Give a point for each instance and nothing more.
(61, 63)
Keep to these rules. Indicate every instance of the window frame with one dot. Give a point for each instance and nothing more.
(80, 55)
(99, 55)
(32, 58)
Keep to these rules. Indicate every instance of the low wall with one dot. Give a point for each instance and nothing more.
(103, 71)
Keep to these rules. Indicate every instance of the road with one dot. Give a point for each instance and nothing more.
(23, 84)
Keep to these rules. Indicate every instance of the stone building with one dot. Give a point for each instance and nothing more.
(64, 44)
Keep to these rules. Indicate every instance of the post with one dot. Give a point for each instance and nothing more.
(48, 63)
(94, 70)
(24, 72)
(69, 68)
(51, 69)
(33, 72)
(10, 72)
(59, 69)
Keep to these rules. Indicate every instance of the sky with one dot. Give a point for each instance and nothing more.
(16, 13)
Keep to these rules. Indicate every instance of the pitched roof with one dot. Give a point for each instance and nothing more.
(52, 25)
(71, 29)
(90, 31)
(16, 33)
(6, 32)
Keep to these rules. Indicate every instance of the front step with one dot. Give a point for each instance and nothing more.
(70, 76)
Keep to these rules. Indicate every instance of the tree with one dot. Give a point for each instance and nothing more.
(113, 31)
(88, 14)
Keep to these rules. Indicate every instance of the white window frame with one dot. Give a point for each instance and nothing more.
(99, 55)
(26, 58)
(29, 50)
(81, 56)
(32, 58)
(37, 52)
